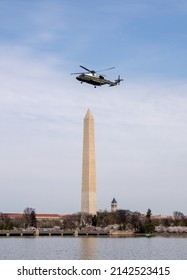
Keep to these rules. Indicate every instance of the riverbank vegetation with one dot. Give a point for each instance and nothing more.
(119, 220)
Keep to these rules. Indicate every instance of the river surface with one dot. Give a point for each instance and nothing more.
(93, 248)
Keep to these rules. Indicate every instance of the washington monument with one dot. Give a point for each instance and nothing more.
(88, 196)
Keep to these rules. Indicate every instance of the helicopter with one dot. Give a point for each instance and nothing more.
(91, 77)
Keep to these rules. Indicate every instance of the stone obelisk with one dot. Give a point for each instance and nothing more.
(88, 196)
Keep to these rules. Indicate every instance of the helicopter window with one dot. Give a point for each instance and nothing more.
(101, 77)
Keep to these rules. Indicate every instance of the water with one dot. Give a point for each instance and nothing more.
(97, 248)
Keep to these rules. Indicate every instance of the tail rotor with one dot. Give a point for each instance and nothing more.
(118, 80)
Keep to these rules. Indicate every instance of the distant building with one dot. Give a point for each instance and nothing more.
(38, 216)
(114, 205)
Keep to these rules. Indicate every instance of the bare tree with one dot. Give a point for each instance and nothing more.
(30, 217)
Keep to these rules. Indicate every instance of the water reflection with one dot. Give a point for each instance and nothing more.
(88, 248)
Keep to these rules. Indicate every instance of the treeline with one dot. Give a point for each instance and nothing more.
(177, 220)
(125, 220)
(28, 219)
(121, 219)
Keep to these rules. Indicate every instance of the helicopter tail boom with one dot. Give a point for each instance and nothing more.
(116, 82)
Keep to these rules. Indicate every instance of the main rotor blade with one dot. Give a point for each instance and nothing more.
(106, 69)
(77, 73)
(85, 68)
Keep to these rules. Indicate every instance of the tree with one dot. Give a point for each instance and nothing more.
(85, 219)
(19, 222)
(135, 221)
(148, 215)
(105, 218)
(30, 217)
(147, 226)
(122, 216)
(178, 215)
(178, 218)
(94, 220)
(5, 222)
(33, 220)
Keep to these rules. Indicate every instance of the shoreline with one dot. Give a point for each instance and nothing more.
(81, 233)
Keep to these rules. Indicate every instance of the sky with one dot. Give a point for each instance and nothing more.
(140, 126)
